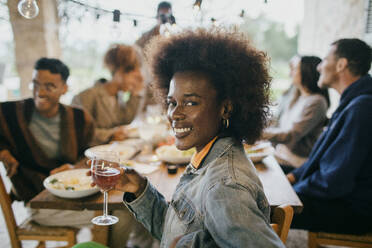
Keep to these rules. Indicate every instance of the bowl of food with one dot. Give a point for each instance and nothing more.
(70, 184)
(259, 151)
(170, 154)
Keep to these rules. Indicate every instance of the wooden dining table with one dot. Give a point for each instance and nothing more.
(276, 186)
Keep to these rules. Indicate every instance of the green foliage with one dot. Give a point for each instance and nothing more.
(271, 37)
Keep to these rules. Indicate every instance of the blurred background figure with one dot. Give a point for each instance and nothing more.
(163, 15)
(115, 102)
(40, 136)
(291, 94)
(302, 119)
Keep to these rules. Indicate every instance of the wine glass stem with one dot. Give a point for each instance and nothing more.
(105, 204)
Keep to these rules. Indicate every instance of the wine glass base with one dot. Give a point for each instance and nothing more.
(105, 220)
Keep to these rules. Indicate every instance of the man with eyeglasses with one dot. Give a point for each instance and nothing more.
(40, 136)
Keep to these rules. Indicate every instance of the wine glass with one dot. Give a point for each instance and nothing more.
(105, 168)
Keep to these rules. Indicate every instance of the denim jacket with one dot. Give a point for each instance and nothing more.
(221, 204)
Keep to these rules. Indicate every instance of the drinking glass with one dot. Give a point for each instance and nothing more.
(105, 168)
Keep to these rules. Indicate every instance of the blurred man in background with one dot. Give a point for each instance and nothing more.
(335, 183)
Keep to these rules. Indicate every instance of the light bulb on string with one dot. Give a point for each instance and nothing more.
(242, 13)
(28, 8)
(213, 20)
(116, 32)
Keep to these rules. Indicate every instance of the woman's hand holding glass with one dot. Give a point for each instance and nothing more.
(129, 181)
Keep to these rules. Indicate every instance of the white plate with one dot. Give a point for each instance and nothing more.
(172, 155)
(259, 151)
(125, 151)
(143, 168)
(70, 178)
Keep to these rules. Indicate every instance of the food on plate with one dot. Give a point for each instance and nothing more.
(72, 184)
(173, 151)
(167, 142)
(171, 154)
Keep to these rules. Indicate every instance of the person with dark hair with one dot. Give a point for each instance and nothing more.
(163, 15)
(106, 102)
(40, 136)
(335, 183)
(215, 101)
(304, 118)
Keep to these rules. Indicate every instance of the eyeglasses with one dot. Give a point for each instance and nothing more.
(49, 87)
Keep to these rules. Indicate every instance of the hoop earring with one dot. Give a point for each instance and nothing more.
(225, 123)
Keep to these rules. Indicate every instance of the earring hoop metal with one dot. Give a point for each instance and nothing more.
(226, 123)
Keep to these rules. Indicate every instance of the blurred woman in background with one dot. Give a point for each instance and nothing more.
(304, 118)
(107, 103)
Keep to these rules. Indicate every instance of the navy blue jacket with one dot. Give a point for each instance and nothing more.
(340, 164)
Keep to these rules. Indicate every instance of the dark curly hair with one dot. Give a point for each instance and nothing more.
(237, 70)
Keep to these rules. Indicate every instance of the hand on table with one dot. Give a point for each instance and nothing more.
(291, 178)
(61, 168)
(119, 135)
(11, 164)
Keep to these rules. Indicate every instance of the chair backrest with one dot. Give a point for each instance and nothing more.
(281, 220)
(6, 206)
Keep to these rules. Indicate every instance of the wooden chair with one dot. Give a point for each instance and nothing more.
(29, 230)
(315, 239)
(281, 220)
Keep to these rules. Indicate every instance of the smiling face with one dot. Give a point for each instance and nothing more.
(47, 89)
(327, 70)
(193, 110)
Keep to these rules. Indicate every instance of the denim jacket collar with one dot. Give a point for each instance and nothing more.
(218, 149)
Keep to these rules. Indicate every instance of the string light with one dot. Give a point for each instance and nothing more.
(242, 13)
(28, 8)
(116, 15)
(213, 20)
(115, 28)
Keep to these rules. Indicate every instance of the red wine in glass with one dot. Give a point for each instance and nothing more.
(105, 168)
(106, 178)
